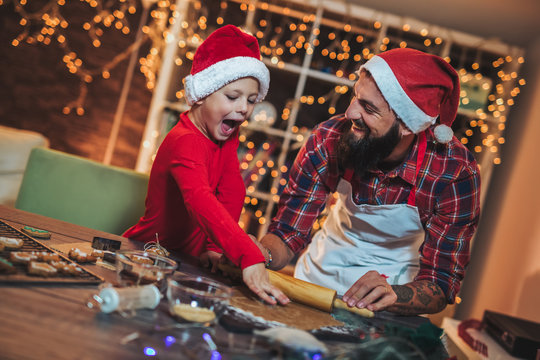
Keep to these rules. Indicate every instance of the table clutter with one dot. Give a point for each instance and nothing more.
(134, 268)
(124, 299)
(27, 260)
(197, 299)
(128, 302)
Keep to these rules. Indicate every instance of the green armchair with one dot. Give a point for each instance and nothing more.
(82, 191)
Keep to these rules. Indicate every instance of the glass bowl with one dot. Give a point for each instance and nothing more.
(196, 299)
(135, 267)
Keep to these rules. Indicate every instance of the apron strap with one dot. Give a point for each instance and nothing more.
(422, 145)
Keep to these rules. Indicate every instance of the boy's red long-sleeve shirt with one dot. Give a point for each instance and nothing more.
(195, 197)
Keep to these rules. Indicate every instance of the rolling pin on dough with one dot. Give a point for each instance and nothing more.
(304, 292)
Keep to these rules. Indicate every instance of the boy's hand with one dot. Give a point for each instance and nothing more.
(257, 280)
(212, 259)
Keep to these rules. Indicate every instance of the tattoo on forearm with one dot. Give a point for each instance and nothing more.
(435, 289)
(422, 295)
(404, 293)
(441, 303)
(418, 298)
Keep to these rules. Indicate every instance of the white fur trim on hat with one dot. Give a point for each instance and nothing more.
(207, 81)
(414, 117)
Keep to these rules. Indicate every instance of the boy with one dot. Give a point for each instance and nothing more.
(196, 193)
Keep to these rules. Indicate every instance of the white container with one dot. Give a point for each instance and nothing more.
(128, 298)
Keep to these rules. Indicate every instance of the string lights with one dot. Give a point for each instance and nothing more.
(485, 125)
(47, 26)
(339, 43)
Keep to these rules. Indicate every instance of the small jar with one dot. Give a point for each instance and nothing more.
(112, 299)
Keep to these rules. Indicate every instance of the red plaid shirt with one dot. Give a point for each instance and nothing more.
(447, 197)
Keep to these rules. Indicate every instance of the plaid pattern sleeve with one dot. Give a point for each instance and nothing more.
(313, 176)
(449, 199)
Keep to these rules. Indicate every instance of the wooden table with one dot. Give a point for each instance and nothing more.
(53, 322)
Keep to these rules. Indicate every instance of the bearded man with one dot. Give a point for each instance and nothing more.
(398, 237)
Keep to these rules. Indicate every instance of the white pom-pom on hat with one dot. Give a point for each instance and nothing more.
(443, 133)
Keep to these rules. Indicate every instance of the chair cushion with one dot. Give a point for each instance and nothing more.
(82, 191)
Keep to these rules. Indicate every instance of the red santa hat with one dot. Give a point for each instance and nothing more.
(228, 54)
(419, 87)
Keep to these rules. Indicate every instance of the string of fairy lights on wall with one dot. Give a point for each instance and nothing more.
(284, 30)
(47, 26)
(55, 28)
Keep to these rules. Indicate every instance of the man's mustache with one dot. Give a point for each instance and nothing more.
(360, 124)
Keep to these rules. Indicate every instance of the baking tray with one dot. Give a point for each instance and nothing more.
(31, 244)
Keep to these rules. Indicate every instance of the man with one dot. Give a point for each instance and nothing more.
(408, 204)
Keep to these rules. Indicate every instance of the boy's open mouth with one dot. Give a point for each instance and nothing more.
(228, 126)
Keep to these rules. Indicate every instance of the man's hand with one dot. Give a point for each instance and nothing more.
(212, 259)
(371, 291)
(257, 280)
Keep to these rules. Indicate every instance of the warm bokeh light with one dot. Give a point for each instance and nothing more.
(334, 52)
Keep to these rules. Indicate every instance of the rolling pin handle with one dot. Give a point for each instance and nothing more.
(340, 304)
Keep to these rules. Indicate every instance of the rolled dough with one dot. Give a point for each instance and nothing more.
(292, 315)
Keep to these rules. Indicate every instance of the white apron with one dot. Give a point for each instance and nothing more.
(357, 238)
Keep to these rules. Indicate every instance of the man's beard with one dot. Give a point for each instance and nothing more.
(366, 153)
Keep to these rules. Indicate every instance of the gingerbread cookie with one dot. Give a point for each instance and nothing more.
(41, 269)
(36, 233)
(58, 265)
(98, 254)
(21, 257)
(48, 256)
(11, 243)
(6, 267)
(80, 256)
(141, 259)
(193, 314)
(161, 251)
(71, 269)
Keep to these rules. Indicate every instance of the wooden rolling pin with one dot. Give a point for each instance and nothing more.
(304, 292)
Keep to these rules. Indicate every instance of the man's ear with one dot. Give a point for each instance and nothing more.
(404, 130)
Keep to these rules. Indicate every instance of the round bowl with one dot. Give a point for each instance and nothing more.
(196, 299)
(135, 267)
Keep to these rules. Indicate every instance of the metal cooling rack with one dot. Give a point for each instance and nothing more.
(31, 244)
